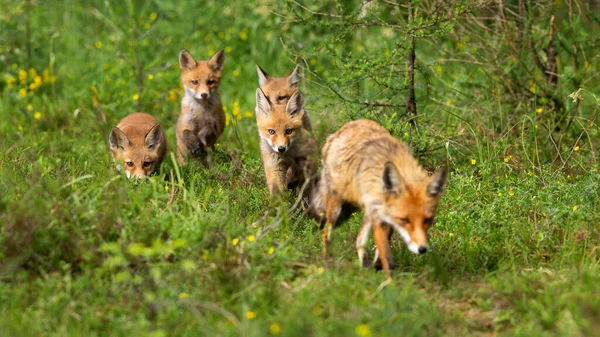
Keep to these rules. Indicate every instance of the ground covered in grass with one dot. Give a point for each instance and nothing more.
(193, 251)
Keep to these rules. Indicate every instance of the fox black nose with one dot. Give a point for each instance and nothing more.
(422, 250)
(281, 149)
(204, 95)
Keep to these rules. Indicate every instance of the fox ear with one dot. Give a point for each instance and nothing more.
(216, 61)
(391, 178)
(153, 137)
(263, 77)
(437, 186)
(186, 61)
(294, 77)
(295, 105)
(263, 106)
(118, 140)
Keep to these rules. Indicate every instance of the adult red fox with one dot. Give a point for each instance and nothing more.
(364, 166)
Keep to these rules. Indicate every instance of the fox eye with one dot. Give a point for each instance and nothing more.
(129, 164)
(210, 82)
(289, 131)
(281, 98)
(271, 131)
(147, 164)
(428, 221)
(194, 82)
(404, 221)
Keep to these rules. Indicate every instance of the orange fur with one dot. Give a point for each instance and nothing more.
(364, 166)
(279, 90)
(202, 119)
(288, 151)
(138, 143)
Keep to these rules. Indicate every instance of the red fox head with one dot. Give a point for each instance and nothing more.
(409, 207)
(201, 78)
(279, 126)
(140, 154)
(278, 89)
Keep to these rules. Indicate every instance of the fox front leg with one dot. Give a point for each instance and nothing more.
(381, 235)
(361, 241)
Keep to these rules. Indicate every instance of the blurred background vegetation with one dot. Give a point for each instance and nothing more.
(503, 92)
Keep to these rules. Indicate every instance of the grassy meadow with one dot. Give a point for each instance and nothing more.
(194, 252)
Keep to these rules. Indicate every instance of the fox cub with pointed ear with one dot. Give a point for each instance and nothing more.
(202, 119)
(288, 151)
(364, 166)
(279, 90)
(140, 143)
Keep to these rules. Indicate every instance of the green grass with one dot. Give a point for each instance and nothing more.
(86, 252)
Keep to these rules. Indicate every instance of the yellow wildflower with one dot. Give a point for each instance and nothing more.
(271, 250)
(184, 295)
(20, 127)
(236, 73)
(317, 311)
(153, 16)
(167, 188)
(228, 49)
(244, 34)
(248, 114)
(251, 237)
(11, 80)
(507, 158)
(275, 328)
(473, 161)
(37, 115)
(235, 241)
(450, 234)
(250, 315)
(363, 330)
(98, 44)
(29, 107)
(576, 148)
(576, 207)
(150, 77)
(511, 192)
(448, 101)
(22, 92)
(22, 76)
(136, 97)
(539, 110)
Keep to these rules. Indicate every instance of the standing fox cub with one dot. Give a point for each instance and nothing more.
(288, 152)
(364, 166)
(279, 90)
(202, 119)
(140, 143)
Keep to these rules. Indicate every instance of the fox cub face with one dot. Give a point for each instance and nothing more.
(410, 208)
(201, 78)
(278, 90)
(279, 125)
(140, 155)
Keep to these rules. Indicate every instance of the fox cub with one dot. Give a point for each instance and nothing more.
(140, 143)
(279, 90)
(364, 166)
(288, 152)
(202, 119)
